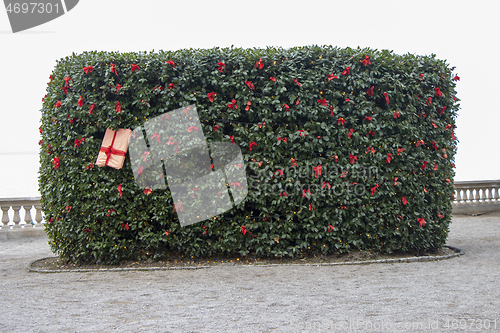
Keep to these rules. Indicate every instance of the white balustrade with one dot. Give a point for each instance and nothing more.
(14, 205)
(476, 197)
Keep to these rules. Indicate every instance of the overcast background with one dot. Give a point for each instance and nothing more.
(464, 33)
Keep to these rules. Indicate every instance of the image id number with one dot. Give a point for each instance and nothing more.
(32, 7)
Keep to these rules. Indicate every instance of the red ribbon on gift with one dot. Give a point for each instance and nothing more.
(112, 151)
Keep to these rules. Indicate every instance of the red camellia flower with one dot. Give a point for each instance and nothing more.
(40, 129)
(386, 98)
(396, 114)
(327, 185)
(304, 192)
(171, 63)
(434, 145)
(272, 79)
(372, 133)
(370, 149)
(419, 142)
(125, 226)
(346, 71)
(366, 61)
(170, 86)
(400, 150)
(113, 69)
(351, 131)
(322, 102)
(421, 76)
(57, 104)
(374, 188)
(331, 77)
(147, 190)
(88, 69)
(347, 99)
(243, 230)
(231, 138)
(317, 170)
(297, 82)
(440, 215)
(421, 222)
(311, 206)
(424, 165)
(65, 89)
(78, 142)
(395, 181)
(405, 201)
(252, 145)
(118, 107)
(441, 109)
(56, 163)
(438, 92)
(428, 101)
(118, 87)
(259, 64)
(369, 92)
(287, 108)
(388, 158)
(92, 106)
(233, 104)
(221, 66)
(120, 189)
(211, 96)
(250, 85)
(435, 166)
(330, 228)
(368, 118)
(282, 139)
(352, 158)
(135, 68)
(192, 128)
(80, 101)
(204, 228)
(248, 106)
(167, 232)
(341, 121)
(456, 78)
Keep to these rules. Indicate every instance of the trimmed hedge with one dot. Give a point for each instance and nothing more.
(380, 125)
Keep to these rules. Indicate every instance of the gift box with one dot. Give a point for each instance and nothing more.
(114, 148)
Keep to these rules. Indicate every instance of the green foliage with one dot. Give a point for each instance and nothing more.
(318, 98)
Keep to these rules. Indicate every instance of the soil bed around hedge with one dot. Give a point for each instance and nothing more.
(57, 264)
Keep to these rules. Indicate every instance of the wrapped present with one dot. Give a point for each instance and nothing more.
(114, 148)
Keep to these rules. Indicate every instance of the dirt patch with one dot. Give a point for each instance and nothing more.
(57, 264)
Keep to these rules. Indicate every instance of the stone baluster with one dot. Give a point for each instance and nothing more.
(27, 216)
(495, 194)
(17, 217)
(38, 215)
(5, 216)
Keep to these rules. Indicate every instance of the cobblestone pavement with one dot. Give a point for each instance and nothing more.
(460, 294)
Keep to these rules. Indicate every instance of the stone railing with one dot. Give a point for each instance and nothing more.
(12, 207)
(476, 197)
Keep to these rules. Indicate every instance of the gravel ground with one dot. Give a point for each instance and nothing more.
(460, 294)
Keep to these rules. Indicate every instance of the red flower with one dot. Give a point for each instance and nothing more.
(330, 228)
(170, 86)
(421, 222)
(369, 92)
(370, 149)
(396, 114)
(56, 163)
(192, 128)
(438, 92)
(428, 101)
(331, 77)
(252, 145)
(221, 66)
(118, 87)
(304, 192)
(231, 138)
(405, 201)
(125, 226)
(287, 108)
(424, 165)
(302, 132)
(57, 104)
(88, 69)
(204, 228)
(147, 190)
(456, 78)
(372, 133)
(140, 170)
(233, 104)
(283, 194)
(297, 82)
(374, 188)
(311, 206)
(118, 107)
(92, 106)
(441, 109)
(120, 189)
(347, 71)
(421, 76)
(435, 166)
(113, 69)
(282, 139)
(78, 142)
(65, 89)
(352, 158)
(331, 110)
(350, 132)
(293, 162)
(243, 230)
(434, 145)
(395, 181)
(272, 79)
(386, 98)
(171, 63)
(327, 185)
(90, 165)
(167, 232)
(366, 61)
(135, 68)
(157, 136)
(322, 102)
(250, 85)
(40, 129)
(440, 215)
(347, 99)
(368, 118)
(68, 208)
(388, 158)
(341, 121)
(259, 64)
(400, 150)
(80, 101)
(419, 142)
(211, 96)
(234, 184)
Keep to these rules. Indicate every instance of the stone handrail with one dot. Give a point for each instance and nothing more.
(15, 205)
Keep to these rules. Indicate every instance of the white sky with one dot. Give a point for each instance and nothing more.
(465, 33)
